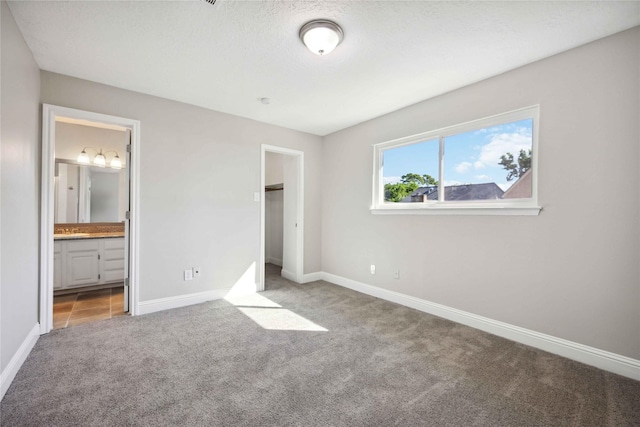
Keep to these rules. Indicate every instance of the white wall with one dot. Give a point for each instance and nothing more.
(571, 272)
(199, 170)
(19, 195)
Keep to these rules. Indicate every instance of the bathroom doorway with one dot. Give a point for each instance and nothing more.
(89, 221)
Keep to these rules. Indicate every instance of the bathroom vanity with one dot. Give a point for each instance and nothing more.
(88, 258)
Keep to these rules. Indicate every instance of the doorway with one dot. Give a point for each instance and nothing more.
(290, 174)
(89, 221)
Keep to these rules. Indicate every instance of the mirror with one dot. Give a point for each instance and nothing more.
(86, 193)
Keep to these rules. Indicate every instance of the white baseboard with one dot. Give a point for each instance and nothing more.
(151, 306)
(289, 275)
(18, 359)
(312, 277)
(275, 261)
(602, 359)
(306, 278)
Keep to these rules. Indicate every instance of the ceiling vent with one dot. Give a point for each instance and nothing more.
(211, 2)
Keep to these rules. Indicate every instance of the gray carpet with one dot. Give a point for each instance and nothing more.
(340, 358)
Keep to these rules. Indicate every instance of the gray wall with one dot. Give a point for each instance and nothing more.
(199, 170)
(20, 178)
(572, 271)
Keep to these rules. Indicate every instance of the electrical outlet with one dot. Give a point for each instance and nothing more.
(373, 269)
(188, 274)
(196, 272)
(396, 274)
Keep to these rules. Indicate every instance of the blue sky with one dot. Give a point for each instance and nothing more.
(470, 158)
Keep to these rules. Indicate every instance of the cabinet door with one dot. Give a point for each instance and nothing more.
(58, 257)
(112, 260)
(82, 262)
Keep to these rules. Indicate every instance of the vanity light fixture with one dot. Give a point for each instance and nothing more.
(100, 159)
(321, 36)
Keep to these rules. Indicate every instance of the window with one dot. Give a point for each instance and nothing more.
(487, 166)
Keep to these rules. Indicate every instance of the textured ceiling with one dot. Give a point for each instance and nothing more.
(224, 57)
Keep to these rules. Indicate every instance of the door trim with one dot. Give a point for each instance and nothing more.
(299, 273)
(49, 115)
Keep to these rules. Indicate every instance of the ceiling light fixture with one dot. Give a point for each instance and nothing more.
(100, 159)
(321, 36)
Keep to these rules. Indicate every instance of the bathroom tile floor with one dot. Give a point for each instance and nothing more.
(83, 307)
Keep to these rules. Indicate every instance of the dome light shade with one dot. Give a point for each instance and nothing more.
(83, 157)
(116, 163)
(99, 160)
(321, 36)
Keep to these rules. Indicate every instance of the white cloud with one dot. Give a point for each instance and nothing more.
(462, 167)
(479, 165)
(502, 143)
(482, 177)
(391, 179)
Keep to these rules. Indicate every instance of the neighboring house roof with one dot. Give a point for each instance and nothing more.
(486, 191)
(521, 189)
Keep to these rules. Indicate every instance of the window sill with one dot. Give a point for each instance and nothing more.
(456, 210)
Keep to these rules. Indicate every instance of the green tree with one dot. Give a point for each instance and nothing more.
(408, 184)
(398, 191)
(421, 180)
(514, 170)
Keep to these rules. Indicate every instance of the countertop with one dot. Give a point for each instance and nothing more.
(76, 236)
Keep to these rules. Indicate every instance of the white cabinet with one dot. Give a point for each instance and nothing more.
(58, 267)
(82, 263)
(112, 260)
(88, 262)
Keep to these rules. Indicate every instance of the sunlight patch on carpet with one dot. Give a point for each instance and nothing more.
(251, 300)
(280, 319)
(271, 315)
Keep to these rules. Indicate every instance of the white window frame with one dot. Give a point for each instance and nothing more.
(528, 206)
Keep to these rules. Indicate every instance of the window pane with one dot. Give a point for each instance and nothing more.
(410, 172)
(492, 163)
